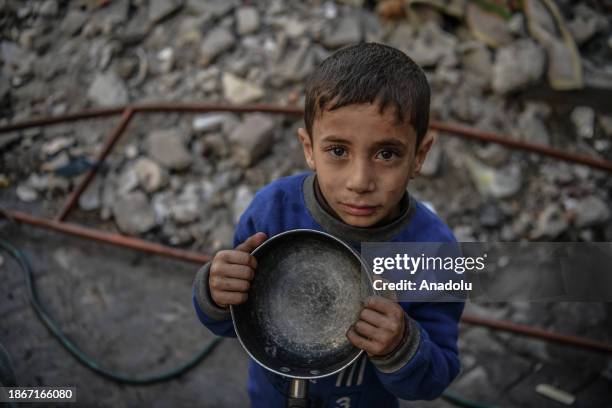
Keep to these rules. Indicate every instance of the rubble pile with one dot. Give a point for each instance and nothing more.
(185, 180)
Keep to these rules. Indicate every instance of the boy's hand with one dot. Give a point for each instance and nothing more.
(380, 327)
(232, 271)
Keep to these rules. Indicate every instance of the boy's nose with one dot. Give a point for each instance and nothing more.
(360, 178)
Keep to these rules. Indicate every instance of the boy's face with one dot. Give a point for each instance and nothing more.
(363, 161)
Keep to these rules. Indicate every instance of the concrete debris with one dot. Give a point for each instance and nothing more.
(548, 27)
(252, 139)
(239, 91)
(133, 213)
(107, 89)
(518, 65)
(167, 147)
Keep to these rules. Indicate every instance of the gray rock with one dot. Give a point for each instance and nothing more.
(516, 24)
(212, 8)
(186, 207)
(531, 126)
(467, 105)
(247, 20)
(402, 35)
(296, 65)
(91, 198)
(73, 22)
(477, 59)
(490, 215)
(9, 139)
(487, 27)
(151, 177)
(160, 9)
(239, 91)
(114, 14)
(60, 160)
(492, 154)
(605, 121)
(56, 145)
(550, 223)
(586, 23)
(214, 145)
(252, 139)
(26, 193)
(167, 147)
(208, 79)
(591, 211)
(431, 45)
(49, 8)
(167, 59)
(373, 28)
(242, 199)
(211, 122)
(345, 31)
(583, 118)
(546, 24)
(492, 182)
(127, 181)
(517, 65)
(107, 89)
(133, 213)
(161, 203)
(464, 233)
(217, 41)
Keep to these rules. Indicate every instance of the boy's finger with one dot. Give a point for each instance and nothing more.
(361, 342)
(379, 320)
(252, 242)
(224, 284)
(381, 304)
(237, 271)
(366, 329)
(373, 317)
(230, 298)
(239, 258)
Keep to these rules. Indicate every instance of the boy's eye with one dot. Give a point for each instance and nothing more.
(337, 151)
(386, 154)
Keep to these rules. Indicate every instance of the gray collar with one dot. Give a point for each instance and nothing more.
(347, 232)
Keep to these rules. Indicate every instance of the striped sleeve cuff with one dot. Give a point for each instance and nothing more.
(205, 301)
(404, 352)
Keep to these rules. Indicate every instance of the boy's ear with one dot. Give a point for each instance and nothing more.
(307, 146)
(428, 141)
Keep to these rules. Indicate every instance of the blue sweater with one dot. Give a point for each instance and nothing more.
(433, 363)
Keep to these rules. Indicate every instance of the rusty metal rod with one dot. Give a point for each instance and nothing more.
(189, 256)
(449, 128)
(107, 237)
(537, 333)
(217, 107)
(110, 143)
(70, 117)
(507, 141)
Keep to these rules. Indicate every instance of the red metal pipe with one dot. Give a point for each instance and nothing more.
(480, 135)
(538, 333)
(448, 128)
(217, 107)
(188, 256)
(107, 237)
(70, 117)
(110, 143)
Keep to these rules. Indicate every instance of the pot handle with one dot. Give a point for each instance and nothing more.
(298, 394)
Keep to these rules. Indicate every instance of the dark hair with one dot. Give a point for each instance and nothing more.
(368, 73)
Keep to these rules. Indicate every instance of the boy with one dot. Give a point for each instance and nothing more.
(366, 117)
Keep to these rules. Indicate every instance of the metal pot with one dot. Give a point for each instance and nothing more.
(308, 290)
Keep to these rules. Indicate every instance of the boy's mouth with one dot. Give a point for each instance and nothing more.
(359, 210)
